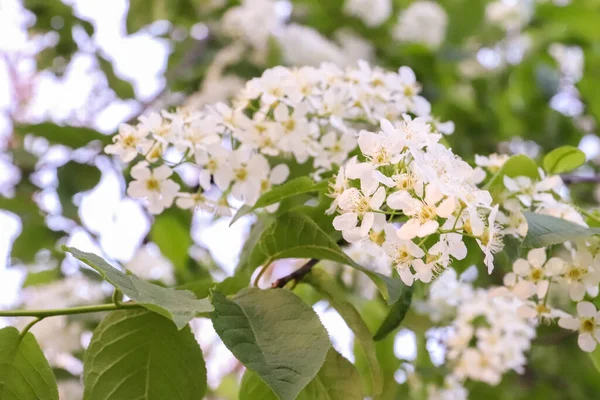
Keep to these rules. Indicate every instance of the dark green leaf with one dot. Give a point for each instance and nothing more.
(34, 236)
(275, 334)
(136, 354)
(74, 178)
(122, 88)
(396, 314)
(71, 136)
(563, 159)
(294, 235)
(595, 357)
(178, 305)
(545, 230)
(337, 380)
(171, 233)
(337, 299)
(24, 371)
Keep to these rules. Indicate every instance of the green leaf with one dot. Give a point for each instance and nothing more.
(396, 314)
(337, 380)
(24, 371)
(373, 313)
(563, 159)
(294, 235)
(289, 189)
(177, 12)
(42, 277)
(275, 334)
(545, 230)
(71, 136)
(178, 305)
(171, 233)
(34, 236)
(325, 285)
(274, 53)
(519, 165)
(74, 178)
(122, 88)
(136, 354)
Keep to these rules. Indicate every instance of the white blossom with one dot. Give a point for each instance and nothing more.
(587, 323)
(153, 185)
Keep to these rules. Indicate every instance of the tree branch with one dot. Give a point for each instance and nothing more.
(67, 311)
(296, 275)
(570, 179)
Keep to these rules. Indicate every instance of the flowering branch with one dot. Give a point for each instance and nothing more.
(67, 311)
(296, 275)
(570, 179)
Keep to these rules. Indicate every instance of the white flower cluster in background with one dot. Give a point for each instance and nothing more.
(58, 336)
(486, 336)
(422, 22)
(307, 115)
(372, 12)
(262, 25)
(410, 175)
(511, 15)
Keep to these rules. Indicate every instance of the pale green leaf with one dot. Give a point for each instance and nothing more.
(136, 354)
(24, 371)
(563, 159)
(325, 285)
(294, 235)
(545, 230)
(275, 334)
(519, 165)
(178, 305)
(289, 189)
(337, 380)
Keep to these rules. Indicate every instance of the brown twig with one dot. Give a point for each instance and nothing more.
(575, 179)
(296, 275)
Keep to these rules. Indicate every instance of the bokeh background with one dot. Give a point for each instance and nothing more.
(515, 76)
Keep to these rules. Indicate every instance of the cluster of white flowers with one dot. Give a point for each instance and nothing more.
(415, 198)
(486, 338)
(489, 338)
(575, 268)
(452, 389)
(262, 24)
(371, 12)
(303, 114)
(521, 193)
(509, 14)
(422, 22)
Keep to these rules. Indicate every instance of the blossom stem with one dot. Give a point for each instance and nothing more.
(297, 274)
(116, 297)
(262, 272)
(40, 314)
(30, 325)
(588, 214)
